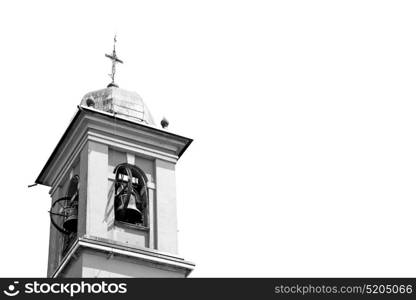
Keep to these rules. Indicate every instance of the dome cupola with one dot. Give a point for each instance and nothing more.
(121, 102)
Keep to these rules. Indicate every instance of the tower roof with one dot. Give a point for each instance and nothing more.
(121, 102)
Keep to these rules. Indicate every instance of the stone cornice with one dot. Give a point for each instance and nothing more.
(115, 131)
(163, 260)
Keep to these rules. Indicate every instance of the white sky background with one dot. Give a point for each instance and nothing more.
(303, 115)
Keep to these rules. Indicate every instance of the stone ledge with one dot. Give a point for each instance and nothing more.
(117, 248)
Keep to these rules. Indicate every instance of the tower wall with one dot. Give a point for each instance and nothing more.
(91, 148)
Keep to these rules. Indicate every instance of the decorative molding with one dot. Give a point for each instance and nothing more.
(119, 144)
(131, 158)
(137, 139)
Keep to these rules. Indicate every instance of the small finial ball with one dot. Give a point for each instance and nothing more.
(90, 102)
(164, 123)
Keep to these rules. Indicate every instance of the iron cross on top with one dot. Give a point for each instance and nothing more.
(114, 60)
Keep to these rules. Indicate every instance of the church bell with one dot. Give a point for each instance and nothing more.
(127, 202)
(126, 208)
(71, 219)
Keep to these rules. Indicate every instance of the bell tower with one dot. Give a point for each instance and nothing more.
(112, 179)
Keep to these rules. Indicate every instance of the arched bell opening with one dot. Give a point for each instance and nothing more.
(131, 195)
(71, 218)
(64, 214)
(64, 211)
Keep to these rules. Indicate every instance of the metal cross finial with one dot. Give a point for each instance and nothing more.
(115, 60)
